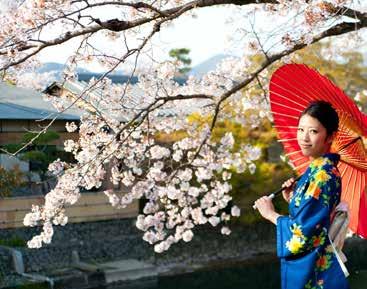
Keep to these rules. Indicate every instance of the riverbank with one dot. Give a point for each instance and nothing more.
(98, 243)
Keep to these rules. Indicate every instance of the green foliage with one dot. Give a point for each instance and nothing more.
(10, 180)
(181, 55)
(348, 72)
(13, 242)
(39, 153)
(34, 286)
(268, 177)
(247, 187)
(37, 156)
(12, 148)
(42, 139)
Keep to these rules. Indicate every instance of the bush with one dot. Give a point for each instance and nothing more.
(13, 242)
(10, 180)
(246, 188)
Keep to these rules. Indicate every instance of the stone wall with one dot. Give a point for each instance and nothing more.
(5, 262)
(119, 239)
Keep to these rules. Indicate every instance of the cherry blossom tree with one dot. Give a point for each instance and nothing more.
(186, 181)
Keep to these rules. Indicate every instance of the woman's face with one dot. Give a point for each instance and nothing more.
(312, 137)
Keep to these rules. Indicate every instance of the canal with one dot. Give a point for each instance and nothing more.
(263, 274)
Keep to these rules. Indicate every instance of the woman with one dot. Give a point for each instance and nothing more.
(303, 246)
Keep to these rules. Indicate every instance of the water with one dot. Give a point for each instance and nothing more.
(262, 274)
(237, 276)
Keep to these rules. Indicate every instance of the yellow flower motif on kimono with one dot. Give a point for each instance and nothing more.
(313, 191)
(319, 162)
(297, 231)
(295, 244)
(297, 241)
(322, 176)
(297, 201)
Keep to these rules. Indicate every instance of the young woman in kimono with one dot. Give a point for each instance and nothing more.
(303, 246)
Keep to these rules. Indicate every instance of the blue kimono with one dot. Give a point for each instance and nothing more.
(306, 255)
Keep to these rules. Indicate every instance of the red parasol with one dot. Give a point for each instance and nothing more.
(292, 88)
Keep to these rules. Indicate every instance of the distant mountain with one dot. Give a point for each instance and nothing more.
(83, 74)
(208, 65)
(118, 76)
(86, 75)
(54, 66)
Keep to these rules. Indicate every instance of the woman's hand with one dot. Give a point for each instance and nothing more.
(266, 209)
(288, 191)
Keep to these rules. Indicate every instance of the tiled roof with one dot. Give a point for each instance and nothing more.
(22, 103)
(15, 111)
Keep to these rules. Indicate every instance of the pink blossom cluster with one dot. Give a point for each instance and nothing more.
(186, 180)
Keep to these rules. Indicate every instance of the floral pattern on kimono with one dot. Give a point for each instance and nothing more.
(303, 246)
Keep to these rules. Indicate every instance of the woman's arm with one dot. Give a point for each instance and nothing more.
(266, 209)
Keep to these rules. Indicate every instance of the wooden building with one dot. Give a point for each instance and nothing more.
(24, 110)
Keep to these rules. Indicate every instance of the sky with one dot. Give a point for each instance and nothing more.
(208, 34)
(205, 35)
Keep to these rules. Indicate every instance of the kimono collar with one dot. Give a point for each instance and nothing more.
(334, 158)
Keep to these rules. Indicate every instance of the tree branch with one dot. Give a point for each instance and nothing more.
(354, 14)
(119, 25)
(338, 29)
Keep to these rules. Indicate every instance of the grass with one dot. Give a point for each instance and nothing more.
(13, 242)
(34, 286)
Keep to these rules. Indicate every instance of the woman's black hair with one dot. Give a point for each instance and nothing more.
(325, 114)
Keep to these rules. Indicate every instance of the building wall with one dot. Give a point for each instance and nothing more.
(11, 131)
(90, 207)
(16, 137)
(14, 125)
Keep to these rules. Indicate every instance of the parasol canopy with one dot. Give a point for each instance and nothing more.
(292, 88)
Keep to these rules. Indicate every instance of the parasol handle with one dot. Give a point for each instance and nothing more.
(277, 192)
(271, 196)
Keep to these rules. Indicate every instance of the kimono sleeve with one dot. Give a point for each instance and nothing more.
(305, 231)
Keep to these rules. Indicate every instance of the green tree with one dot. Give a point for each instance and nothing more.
(181, 55)
(40, 153)
(348, 71)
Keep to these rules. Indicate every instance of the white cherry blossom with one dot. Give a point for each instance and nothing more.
(235, 211)
(143, 130)
(225, 231)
